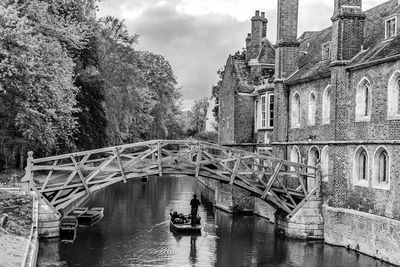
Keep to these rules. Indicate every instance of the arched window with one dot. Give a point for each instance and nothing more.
(363, 163)
(325, 163)
(295, 110)
(363, 101)
(326, 105)
(381, 168)
(295, 157)
(313, 160)
(361, 167)
(311, 109)
(393, 96)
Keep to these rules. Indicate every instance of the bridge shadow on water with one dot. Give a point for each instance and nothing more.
(135, 232)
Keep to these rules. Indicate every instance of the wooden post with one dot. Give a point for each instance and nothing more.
(198, 160)
(159, 154)
(118, 157)
(318, 179)
(27, 180)
(235, 169)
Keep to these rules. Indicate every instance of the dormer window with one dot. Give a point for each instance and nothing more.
(390, 28)
(326, 50)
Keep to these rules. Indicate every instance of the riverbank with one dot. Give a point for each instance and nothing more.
(15, 227)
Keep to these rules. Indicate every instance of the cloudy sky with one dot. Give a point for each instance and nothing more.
(196, 36)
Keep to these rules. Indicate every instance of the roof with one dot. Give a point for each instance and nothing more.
(375, 47)
(311, 64)
(241, 72)
(267, 53)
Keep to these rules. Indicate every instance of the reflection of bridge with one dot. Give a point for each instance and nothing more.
(64, 179)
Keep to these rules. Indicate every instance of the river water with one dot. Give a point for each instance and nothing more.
(135, 232)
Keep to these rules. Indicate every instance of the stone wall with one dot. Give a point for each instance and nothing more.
(307, 223)
(373, 235)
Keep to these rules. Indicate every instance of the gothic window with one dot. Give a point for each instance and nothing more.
(394, 96)
(326, 105)
(390, 28)
(381, 168)
(361, 167)
(294, 157)
(311, 109)
(363, 100)
(295, 110)
(313, 160)
(325, 163)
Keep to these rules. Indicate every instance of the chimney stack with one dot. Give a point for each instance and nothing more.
(287, 46)
(347, 29)
(258, 31)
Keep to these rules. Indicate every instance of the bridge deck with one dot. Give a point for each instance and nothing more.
(63, 179)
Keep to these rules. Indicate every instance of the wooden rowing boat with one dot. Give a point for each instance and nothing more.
(91, 216)
(68, 226)
(78, 211)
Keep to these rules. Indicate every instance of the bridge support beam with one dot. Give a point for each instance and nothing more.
(48, 222)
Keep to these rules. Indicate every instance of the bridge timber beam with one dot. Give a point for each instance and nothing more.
(61, 180)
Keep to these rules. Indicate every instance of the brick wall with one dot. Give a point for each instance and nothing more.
(244, 119)
(379, 127)
(322, 132)
(227, 106)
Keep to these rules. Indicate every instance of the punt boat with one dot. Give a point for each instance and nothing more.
(91, 216)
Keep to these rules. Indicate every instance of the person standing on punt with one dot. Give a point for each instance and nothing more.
(194, 203)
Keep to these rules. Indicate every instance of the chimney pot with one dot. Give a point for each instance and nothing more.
(263, 14)
(257, 13)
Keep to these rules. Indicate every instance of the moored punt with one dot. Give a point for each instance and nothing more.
(91, 216)
(78, 211)
(68, 226)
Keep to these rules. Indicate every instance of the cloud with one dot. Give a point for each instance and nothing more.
(196, 36)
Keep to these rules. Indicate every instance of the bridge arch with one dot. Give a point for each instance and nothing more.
(64, 179)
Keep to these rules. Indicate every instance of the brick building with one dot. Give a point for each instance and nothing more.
(330, 96)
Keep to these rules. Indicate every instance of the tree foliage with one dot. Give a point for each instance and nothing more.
(198, 116)
(70, 81)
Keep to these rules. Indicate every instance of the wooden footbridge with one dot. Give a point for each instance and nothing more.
(64, 179)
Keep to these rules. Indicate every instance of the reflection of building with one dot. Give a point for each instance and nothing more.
(333, 96)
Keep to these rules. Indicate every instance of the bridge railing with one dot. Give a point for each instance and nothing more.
(63, 179)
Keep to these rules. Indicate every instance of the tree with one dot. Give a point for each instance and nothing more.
(128, 101)
(37, 70)
(198, 116)
(215, 93)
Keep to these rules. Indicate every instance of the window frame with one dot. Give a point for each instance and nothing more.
(326, 103)
(264, 123)
(387, 30)
(325, 164)
(312, 109)
(357, 181)
(376, 183)
(361, 106)
(393, 96)
(297, 123)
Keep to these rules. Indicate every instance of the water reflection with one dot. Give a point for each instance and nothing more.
(135, 232)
